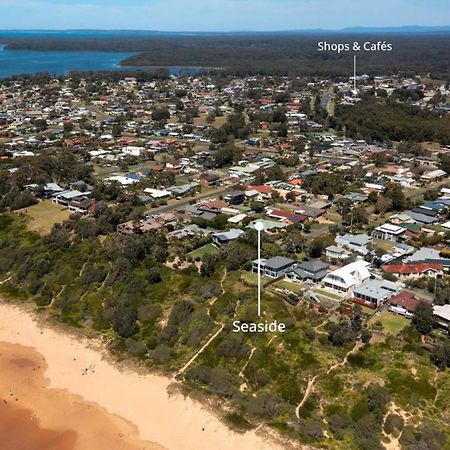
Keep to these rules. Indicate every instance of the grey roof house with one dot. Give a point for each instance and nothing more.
(313, 270)
(226, 236)
(376, 292)
(355, 242)
(274, 267)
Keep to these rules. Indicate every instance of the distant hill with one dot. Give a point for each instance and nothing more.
(406, 29)
(409, 29)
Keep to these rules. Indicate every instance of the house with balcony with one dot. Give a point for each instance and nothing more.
(335, 253)
(374, 293)
(314, 270)
(441, 315)
(388, 232)
(274, 267)
(347, 278)
(227, 236)
(354, 242)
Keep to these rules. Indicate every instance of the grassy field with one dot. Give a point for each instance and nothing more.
(201, 251)
(218, 121)
(44, 215)
(392, 323)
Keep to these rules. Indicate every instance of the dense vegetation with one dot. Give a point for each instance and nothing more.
(121, 287)
(294, 54)
(381, 120)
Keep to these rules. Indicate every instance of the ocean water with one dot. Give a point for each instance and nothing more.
(17, 62)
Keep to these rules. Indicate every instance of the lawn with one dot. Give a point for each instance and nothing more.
(333, 216)
(207, 249)
(385, 245)
(368, 311)
(392, 323)
(44, 215)
(252, 278)
(318, 226)
(284, 284)
(327, 294)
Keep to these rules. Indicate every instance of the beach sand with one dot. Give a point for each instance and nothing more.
(35, 417)
(104, 407)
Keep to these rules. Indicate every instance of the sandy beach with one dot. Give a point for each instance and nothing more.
(76, 397)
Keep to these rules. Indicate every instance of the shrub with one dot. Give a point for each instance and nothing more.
(238, 422)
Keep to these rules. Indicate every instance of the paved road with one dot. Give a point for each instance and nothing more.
(175, 204)
(327, 101)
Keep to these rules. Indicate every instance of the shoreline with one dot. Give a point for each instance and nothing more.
(147, 401)
(35, 416)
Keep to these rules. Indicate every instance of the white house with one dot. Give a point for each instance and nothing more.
(347, 278)
(388, 232)
(334, 252)
(157, 194)
(124, 181)
(133, 150)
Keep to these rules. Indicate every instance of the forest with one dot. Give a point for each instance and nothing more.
(271, 54)
(380, 120)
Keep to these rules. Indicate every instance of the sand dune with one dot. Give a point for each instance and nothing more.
(131, 399)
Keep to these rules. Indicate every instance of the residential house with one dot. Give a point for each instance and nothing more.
(334, 253)
(269, 225)
(404, 303)
(82, 205)
(414, 270)
(356, 197)
(357, 243)
(374, 292)
(400, 219)
(286, 216)
(274, 267)
(264, 192)
(429, 255)
(238, 218)
(63, 198)
(314, 270)
(227, 236)
(347, 278)
(433, 175)
(183, 190)
(421, 218)
(235, 198)
(442, 316)
(388, 232)
(157, 194)
(188, 231)
(209, 180)
(310, 212)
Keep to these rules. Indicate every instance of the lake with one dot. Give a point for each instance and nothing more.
(17, 62)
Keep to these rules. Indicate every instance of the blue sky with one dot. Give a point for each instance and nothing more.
(219, 15)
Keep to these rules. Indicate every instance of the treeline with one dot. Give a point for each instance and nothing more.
(381, 120)
(263, 54)
(94, 76)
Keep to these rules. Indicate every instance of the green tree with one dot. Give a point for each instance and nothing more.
(423, 318)
(208, 265)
